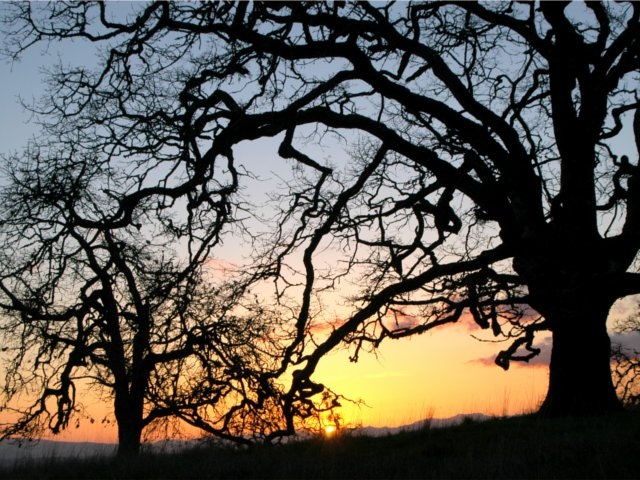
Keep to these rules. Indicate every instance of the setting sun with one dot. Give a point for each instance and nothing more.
(330, 430)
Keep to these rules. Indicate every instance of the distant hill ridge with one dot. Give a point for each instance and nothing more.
(430, 422)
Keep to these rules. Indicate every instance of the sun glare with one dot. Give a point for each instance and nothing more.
(329, 430)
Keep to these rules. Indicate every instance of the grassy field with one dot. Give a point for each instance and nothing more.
(522, 447)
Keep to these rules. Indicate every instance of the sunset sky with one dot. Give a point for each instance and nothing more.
(438, 374)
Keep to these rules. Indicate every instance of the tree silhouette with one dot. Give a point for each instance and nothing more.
(626, 363)
(488, 175)
(121, 312)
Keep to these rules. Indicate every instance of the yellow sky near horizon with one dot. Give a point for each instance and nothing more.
(438, 374)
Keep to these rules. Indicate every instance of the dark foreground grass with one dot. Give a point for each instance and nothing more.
(523, 447)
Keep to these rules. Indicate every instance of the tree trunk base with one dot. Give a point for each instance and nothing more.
(578, 407)
(580, 370)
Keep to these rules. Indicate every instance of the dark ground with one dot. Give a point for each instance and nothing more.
(521, 447)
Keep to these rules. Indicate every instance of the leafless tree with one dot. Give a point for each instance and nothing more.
(121, 312)
(626, 363)
(490, 178)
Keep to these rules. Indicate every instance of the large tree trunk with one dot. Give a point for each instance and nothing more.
(128, 413)
(129, 435)
(580, 369)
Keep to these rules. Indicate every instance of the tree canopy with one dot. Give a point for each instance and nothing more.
(120, 311)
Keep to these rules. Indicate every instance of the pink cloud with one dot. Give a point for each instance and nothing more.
(540, 361)
(327, 326)
(400, 320)
(630, 341)
(222, 268)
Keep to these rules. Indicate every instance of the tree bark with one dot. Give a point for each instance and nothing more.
(129, 434)
(128, 412)
(580, 370)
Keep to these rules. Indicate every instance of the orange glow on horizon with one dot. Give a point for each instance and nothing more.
(436, 375)
(330, 430)
(439, 374)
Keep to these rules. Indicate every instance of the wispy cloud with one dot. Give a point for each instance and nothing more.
(540, 361)
(400, 320)
(221, 268)
(326, 326)
(629, 341)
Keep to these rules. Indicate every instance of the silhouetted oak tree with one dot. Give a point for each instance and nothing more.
(489, 176)
(121, 312)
